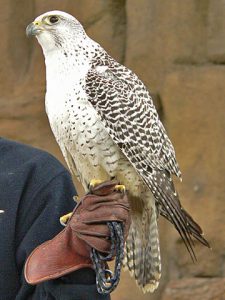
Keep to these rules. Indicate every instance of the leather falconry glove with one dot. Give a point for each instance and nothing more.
(87, 228)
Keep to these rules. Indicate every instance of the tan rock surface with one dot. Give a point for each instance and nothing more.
(193, 102)
(195, 289)
(216, 31)
(160, 33)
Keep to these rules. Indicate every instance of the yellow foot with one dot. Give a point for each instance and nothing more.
(75, 198)
(94, 182)
(120, 188)
(64, 219)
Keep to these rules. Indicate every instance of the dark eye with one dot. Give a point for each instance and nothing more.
(53, 19)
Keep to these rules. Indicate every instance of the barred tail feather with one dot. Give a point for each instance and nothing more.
(170, 207)
(142, 252)
(151, 253)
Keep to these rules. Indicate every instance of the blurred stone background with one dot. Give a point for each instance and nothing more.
(178, 49)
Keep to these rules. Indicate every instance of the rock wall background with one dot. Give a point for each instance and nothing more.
(178, 49)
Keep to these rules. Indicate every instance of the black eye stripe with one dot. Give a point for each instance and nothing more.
(53, 19)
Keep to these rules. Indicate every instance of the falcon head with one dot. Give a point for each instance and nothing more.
(54, 28)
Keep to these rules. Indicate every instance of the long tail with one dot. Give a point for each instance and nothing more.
(169, 206)
(142, 252)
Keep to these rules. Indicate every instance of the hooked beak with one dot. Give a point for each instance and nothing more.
(33, 29)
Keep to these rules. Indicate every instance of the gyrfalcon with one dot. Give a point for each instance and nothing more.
(106, 125)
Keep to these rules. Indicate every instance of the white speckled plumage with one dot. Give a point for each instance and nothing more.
(107, 126)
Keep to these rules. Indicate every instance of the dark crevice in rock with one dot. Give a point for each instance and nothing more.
(158, 104)
(180, 63)
(119, 14)
(124, 25)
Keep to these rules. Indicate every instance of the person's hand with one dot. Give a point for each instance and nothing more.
(86, 229)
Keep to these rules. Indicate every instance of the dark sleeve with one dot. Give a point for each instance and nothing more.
(38, 221)
(76, 286)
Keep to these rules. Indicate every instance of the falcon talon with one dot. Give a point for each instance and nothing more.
(75, 198)
(120, 188)
(94, 182)
(64, 219)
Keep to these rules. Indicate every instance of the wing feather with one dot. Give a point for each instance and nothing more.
(123, 103)
(128, 113)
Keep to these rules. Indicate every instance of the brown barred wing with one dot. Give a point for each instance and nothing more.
(134, 126)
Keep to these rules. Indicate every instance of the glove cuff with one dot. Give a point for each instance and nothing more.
(55, 258)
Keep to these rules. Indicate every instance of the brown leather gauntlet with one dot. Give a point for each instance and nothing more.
(87, 228)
